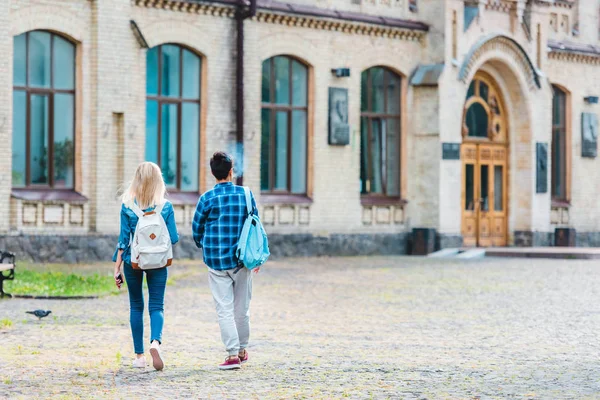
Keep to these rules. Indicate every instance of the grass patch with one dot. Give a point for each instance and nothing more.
(5, 323)
(56, 283)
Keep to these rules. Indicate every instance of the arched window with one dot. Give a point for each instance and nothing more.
(559, 144)
(43, 111)
(173, 114)
(284, 126)
(380, 132)
(484, 115)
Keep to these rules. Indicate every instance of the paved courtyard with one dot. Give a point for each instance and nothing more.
(385, 327)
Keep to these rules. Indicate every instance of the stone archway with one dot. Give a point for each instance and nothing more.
(507, 65)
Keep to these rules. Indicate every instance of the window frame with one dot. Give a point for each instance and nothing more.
(382, 198)
(288, 108)
(179, 101)
(564, 131)
(49, 92)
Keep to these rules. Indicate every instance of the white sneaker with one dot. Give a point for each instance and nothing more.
(139, 362)
(157, 360)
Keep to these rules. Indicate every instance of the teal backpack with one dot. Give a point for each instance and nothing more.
(253, 247)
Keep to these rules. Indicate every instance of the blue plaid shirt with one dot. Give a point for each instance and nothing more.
(218, 222)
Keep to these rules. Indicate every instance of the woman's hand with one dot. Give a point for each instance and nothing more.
(118, 275)
(118, 278)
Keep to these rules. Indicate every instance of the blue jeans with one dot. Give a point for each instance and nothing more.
(157, 283)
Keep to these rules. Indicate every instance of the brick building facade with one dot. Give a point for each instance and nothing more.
(474, 118)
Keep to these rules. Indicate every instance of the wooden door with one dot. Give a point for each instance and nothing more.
(469, 198)
(484, 189)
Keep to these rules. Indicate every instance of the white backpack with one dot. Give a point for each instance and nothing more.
(151, 247)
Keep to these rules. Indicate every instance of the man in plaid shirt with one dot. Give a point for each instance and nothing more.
(217, 225)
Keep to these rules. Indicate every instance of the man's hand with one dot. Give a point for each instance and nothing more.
(256, 270)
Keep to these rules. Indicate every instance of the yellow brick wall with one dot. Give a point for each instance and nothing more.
(111, 105)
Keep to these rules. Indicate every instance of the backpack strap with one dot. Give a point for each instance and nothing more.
(136, 209)
(248, 200)
(158, 209)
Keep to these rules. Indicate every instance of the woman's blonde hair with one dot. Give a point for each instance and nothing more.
(147, 187)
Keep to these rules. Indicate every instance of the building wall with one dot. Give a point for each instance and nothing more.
(111, 68)
(111, 93)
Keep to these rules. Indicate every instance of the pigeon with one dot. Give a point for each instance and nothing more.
(39, 313)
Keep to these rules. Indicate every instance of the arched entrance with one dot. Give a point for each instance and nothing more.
(484, 155)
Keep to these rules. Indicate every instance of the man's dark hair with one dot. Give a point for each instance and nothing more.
(220, 165)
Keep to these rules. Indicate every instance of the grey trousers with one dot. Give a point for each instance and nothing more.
(232, 294)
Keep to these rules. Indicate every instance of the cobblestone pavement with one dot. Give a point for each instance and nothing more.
(385, 327)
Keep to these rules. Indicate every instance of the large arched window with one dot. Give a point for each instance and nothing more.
(559, 144)
(173, 114)
(43, 111)
(284, 126)
(380, 132)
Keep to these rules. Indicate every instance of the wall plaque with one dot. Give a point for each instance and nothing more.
(339, 130)
(589, 135)
(541, 176)
(450, 151)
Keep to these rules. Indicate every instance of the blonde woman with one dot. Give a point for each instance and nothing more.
(147, 191)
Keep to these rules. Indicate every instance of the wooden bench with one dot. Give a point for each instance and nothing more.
(7, 270)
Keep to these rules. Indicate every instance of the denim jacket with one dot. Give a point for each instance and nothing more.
(128, 223)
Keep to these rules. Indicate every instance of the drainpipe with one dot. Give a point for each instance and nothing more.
(241, 14)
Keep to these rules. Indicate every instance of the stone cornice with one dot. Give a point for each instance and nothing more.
(574, 57)
(557, 3)
(339, 26)
(301, 16)
(574, 52)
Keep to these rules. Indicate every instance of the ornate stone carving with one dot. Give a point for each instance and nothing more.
(506, 45)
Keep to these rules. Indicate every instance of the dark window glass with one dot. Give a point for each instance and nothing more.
(171, 72)
(470, 188)
(152, 71)
(377, 90)
(365, 184)
(471, 91)
(43, 111)
(152, 131)
(393, 93)
(63, 63)
(299, 87)
(19, 144)
(266, 81)
(364, 103)
(298, 145)
(190, 121)
(498, 188)
(477, 120)
(282, 80)
(485, 187)
(20, 60)
(559, 143)
(64, 127)
(380, 132)
(281, 150)
(39, 138)
(484, 91)
(191, 75)
(284, 119)
(39, 59)
(265, 149)
(173, 117)
(169, 129)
